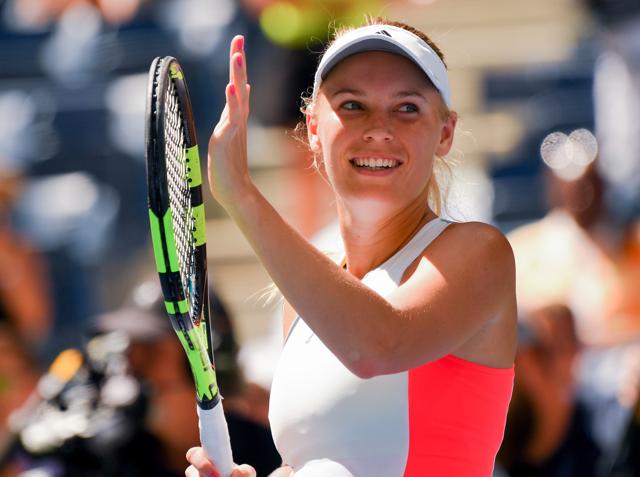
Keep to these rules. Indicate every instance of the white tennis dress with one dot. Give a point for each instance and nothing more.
(327, 422)
(444, 418)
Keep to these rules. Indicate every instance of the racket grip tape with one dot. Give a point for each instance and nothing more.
(214, 437)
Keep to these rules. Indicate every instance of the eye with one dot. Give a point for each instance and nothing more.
(351, 106)
(408, 108)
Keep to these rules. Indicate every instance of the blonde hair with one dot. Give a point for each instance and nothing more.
(441, 168)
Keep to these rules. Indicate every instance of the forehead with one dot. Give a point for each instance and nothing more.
(376, 68)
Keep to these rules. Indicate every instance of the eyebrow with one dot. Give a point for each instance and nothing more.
(358, 92)
(355, 92)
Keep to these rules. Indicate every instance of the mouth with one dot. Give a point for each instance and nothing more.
(374, 163)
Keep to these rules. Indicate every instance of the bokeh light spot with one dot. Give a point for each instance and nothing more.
(281, 22)
(569, 156)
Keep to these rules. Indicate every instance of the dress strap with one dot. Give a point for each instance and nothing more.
(398, 263)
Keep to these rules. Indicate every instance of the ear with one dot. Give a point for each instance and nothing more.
(312, 132)
(446, 134)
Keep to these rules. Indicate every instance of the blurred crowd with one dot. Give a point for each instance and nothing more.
(91, 374)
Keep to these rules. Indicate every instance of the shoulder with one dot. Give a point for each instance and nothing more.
(472, 256)
(477, 241)
(476, 229)
(468, 254)
(465, 284)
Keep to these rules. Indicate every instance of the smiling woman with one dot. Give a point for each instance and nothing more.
(422, 53)
(400, 361)
(374, 108)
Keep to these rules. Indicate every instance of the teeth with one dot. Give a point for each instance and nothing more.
(374, 162)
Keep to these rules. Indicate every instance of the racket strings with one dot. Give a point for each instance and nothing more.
(180, 197)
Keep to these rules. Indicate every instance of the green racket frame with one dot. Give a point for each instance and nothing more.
(191, 325)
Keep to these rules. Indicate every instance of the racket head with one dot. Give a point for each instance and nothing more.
(177, 219)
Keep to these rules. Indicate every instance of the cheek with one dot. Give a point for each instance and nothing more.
(423, 151)
(329, 125)
(331, 137)
(425, 147)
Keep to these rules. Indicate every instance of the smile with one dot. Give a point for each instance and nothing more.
(375, 163)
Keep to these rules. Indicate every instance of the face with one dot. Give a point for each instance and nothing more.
(376, 125)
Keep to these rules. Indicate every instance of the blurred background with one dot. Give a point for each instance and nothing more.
(548, 150)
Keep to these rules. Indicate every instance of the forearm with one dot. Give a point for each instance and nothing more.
(352, 320)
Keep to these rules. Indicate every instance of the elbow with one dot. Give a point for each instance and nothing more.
(379, 350)
(390, 356)
(374, 361)
(364, 370)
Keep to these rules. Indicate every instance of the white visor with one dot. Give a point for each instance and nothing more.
(390, 39)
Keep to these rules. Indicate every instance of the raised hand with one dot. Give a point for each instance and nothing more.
(228, 169)
(201, 466)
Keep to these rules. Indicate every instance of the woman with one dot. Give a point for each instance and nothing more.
(402, 360)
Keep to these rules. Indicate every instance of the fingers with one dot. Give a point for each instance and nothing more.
(237, 107)
(238, 71)
(237, 63)
(246, 99)
(244, 470)
(200, 464)
(191, 472)
(234, 106)
(236, 111)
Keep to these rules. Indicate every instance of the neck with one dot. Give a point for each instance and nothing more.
(370, 239)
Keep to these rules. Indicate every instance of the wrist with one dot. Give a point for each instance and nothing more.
(241, 199)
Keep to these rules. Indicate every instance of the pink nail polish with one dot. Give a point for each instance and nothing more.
(232, 89)
(239, 60)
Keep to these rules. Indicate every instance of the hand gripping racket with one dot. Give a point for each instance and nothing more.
(176, 215)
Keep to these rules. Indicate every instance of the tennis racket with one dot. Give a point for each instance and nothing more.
(177, 219)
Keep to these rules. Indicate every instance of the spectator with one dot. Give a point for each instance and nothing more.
(577, 255)
(24, 290)
(157, 358)
(548, 429)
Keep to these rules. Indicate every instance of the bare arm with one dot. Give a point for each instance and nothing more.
(447, 299)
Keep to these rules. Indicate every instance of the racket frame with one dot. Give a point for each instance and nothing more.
(192, 326)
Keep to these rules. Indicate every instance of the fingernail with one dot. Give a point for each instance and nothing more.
(239, 60)
(241, 43)
(232, 89)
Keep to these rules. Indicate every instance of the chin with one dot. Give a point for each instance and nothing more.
(378, 200)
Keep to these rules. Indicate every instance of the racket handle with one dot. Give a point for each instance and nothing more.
(214, 437)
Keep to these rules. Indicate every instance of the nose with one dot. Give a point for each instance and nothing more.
(378, 130)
